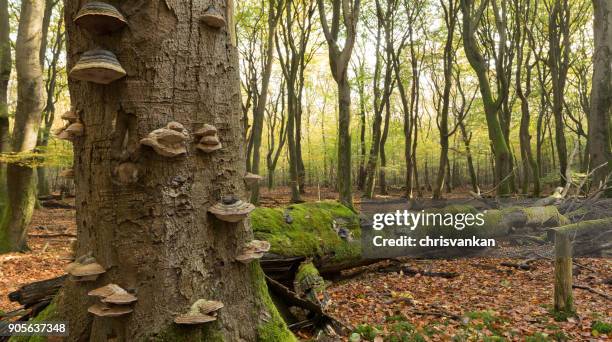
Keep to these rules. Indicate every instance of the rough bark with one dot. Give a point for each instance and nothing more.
(600, 129)
(21, 180)
(155, 236)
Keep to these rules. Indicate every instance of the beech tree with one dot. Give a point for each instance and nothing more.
(142, 212)
(6, 66)
(21, 179)
(348, 11)
(472, 16)
(600, 125)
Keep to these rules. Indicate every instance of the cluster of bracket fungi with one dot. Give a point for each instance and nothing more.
(114, 301)
(101, 66)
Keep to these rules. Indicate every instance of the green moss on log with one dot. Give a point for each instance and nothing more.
(586, 227)
(311, 232)
(273, 328)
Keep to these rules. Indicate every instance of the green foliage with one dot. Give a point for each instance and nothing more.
(367, 331)
(601, 327)
(57, 154)
(311, 232)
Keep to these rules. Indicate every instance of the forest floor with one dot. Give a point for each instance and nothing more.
(486, 301)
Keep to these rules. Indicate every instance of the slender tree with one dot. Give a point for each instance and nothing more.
(274, 14)
(600, 125)
(21, 179)
(472, 17)
(6, 66)
(339, 59)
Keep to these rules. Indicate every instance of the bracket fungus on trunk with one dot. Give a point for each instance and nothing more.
(70, 116)
(202, 311)
(168, 141)
(98, 66)
(67, 173)
(231, 209)
(213, 18)
(75, 129)
(253, 250)
(103, 310)
(208, 140)
(114, 299)
(100, 18)
(85, 268)
(251, 179)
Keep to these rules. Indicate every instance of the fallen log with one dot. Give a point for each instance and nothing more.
(31, 294)
(320, 317)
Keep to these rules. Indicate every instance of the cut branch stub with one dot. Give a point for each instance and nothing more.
(251, 179)
(213, 18)
(70, 116)
(103, 310)
(89, 270)
(231, 209)
(100, 18)
(253, 250)
(168, 141)
(202, 311)
(98, 66)
(67, 173)
(126, 173)
(208, 139)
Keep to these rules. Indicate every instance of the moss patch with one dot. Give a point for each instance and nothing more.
(273, 328)
(311, 233)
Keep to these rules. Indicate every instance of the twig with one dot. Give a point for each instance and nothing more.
(592, 290)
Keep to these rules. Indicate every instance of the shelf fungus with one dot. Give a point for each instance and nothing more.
(113, 294)
(85, 268)
(231, 209)
(67, 173)
(100, 18)
(202, 311)
(213, 18)
(62, 134)
(251, 179)
(75, 129)
(253, 250)
(98, 66)
(208, 139)
(168, 141)
(104, 310)
(70, 116)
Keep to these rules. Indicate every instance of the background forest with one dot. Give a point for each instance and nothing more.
(419, 95)
(469, 101)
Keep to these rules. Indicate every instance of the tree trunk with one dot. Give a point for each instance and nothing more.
(344, 175)
(383, 155)
(470, 160)
(155, 237)
(5, 76)
(21, 180)
(600, 140)
(492, 106)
